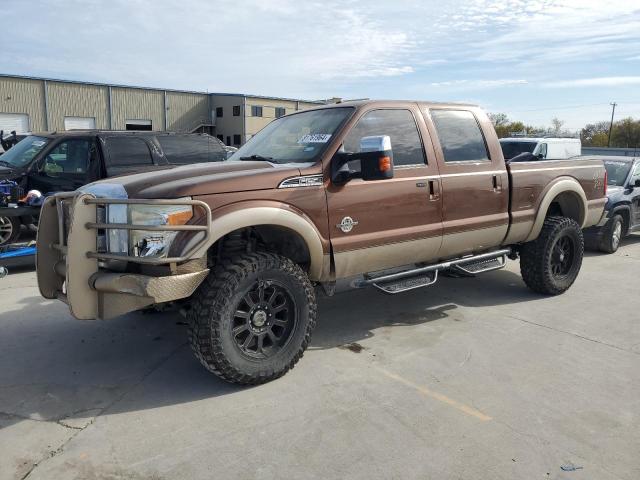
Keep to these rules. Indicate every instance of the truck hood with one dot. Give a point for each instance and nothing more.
(205, 179)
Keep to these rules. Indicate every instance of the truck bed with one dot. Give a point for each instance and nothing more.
(530, 183)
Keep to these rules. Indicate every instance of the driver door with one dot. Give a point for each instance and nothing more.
(64, 167)
(381, 224)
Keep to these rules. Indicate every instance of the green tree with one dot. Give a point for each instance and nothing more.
(595, 134)
(626, 133)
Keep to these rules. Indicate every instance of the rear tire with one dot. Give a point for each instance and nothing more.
(612, 235)
(9, 230)
(252, 318)
(551, 263)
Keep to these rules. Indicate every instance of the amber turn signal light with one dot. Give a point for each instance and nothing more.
(384, 164)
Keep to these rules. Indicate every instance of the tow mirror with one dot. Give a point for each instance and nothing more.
(375, 158)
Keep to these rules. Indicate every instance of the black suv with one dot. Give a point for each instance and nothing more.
(623, 204)
(64, 161)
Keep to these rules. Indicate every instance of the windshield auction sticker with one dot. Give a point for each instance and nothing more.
(315, 138)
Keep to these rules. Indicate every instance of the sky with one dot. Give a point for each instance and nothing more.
(533, 60)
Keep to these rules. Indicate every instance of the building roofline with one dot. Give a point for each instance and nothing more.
(137, 87)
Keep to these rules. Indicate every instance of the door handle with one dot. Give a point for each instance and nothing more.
(497, 183)
(434, 189)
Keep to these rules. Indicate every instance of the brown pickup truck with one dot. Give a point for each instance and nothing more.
(386, 193)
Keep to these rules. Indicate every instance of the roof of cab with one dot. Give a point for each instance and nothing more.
(71, 133)
(361, 103)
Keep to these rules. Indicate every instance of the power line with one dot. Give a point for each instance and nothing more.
(559, 108)
(567, 107)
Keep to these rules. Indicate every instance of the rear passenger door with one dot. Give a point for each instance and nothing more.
(475, 185)
(127, 154)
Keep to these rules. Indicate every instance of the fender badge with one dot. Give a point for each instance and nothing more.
(347, 224)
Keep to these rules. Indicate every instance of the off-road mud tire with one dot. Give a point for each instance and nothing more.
(536, 257)
(215, 302)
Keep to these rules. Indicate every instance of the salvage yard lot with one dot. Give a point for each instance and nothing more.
(471, 378)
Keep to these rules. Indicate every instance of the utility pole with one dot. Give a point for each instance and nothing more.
(613, 111)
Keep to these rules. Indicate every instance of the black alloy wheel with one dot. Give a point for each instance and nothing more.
(264, 319)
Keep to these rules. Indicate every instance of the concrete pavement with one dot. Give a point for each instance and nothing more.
(472, 378)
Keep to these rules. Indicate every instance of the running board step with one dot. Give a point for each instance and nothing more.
(410, 283)
(482, 266)
(428, 275)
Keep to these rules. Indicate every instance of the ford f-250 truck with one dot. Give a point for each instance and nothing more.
(390, 193)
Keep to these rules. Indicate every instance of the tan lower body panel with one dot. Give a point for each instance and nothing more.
(461, 243)
(364, 260)
(381, 257)
(595, 211)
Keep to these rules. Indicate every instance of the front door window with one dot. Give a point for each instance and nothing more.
(69, 157)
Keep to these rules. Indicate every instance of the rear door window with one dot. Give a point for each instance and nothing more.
(460, 136)
(125, 151)
(186, 149)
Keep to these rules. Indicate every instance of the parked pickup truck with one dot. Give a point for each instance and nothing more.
(64, 161)
(386, 193)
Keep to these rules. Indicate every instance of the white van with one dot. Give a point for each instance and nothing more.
(542, 148)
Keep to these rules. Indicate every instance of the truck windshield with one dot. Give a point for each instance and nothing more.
(23, 152)
(617, 172)
(511, 149)
(298, 138)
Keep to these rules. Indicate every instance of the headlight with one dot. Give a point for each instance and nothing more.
(145, 243)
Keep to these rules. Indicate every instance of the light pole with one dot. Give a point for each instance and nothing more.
(613, 111)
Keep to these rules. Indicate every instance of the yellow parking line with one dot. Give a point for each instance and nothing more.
(437, 396)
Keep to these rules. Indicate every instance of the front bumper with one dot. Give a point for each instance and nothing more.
(67, 260)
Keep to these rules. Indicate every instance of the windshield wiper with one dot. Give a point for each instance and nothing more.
(257, 157)
(4, 162)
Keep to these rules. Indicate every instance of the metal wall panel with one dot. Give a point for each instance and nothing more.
(19, 95)
(136, 104)
(77, 100)
(187, 111)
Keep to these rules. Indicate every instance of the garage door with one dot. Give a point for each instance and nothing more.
(137, 124)
(79, 123)
(14, 121)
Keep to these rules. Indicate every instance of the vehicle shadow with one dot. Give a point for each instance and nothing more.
(53, 367)
(355, 315)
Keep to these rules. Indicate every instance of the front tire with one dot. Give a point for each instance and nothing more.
(252, 318)
(612, 235)
(551, 263)
(9, 230)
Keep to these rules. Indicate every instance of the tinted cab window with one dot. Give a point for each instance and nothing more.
(186, 149)
(460, 136)
(126, 154)
(399, 125)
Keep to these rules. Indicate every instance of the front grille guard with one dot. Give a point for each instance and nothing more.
(206, 228)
